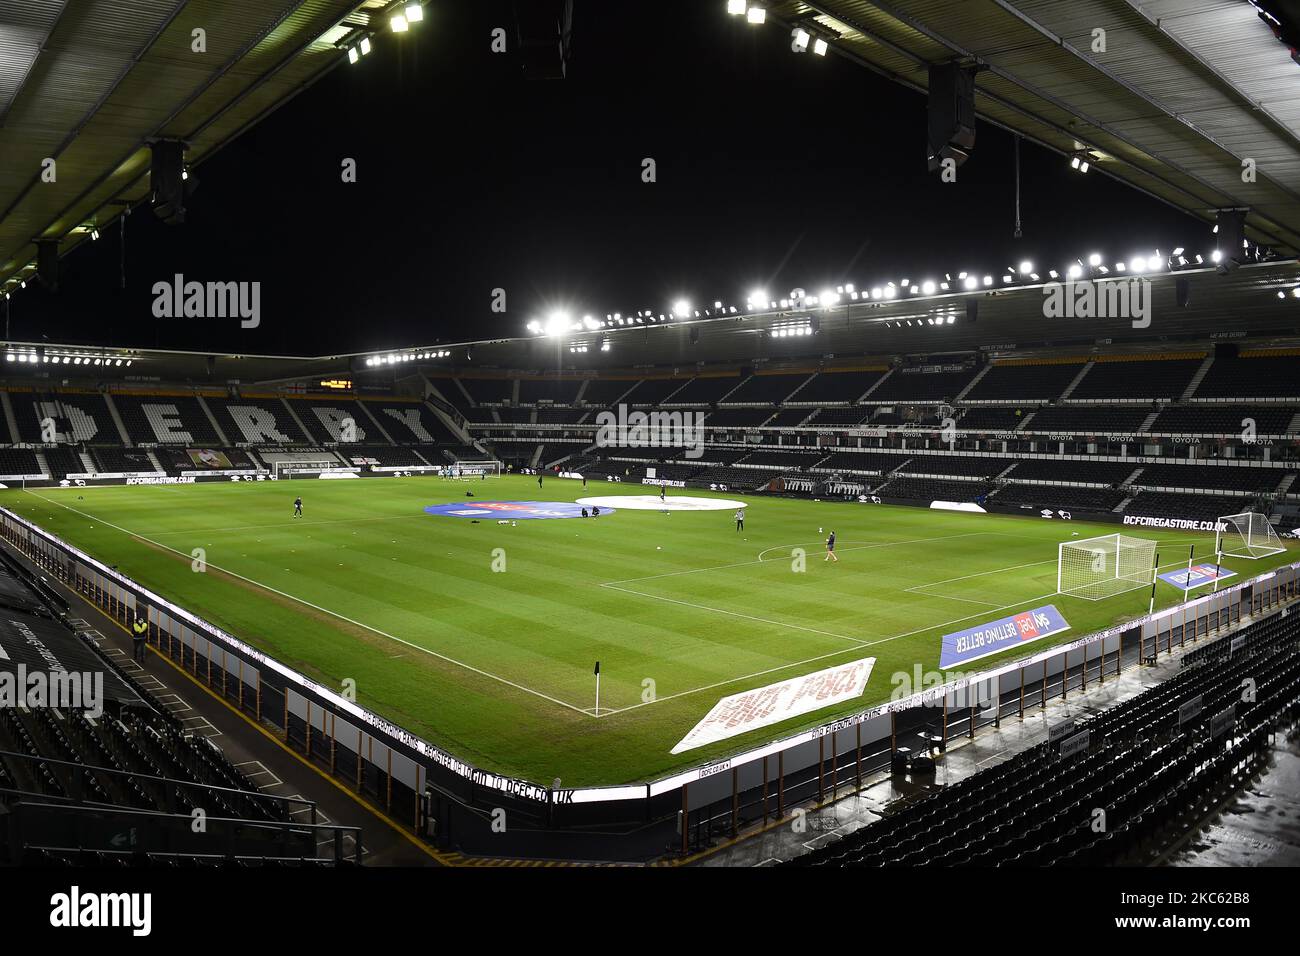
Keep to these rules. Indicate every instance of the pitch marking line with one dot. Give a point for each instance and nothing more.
(323, 610)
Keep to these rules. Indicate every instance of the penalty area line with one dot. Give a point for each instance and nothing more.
(323, 610)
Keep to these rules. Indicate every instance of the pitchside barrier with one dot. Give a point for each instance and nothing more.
(451, 803)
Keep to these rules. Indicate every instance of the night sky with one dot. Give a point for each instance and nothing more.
(775, 170)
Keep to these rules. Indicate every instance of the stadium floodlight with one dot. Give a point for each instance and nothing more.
(1026, 267)
(1098, 568)
(1094, 259)
(756, 15)
(353, 54)
(988, 280)
(1246, 535)
(1074, 162)
(890, 291)
(737, 7)
(1216, 256)
(414, 13)
(557, 323)
(1137, 264)
(365, 46)
(1178, 251)
(820, 47)
(799, 38)
(927, 287)
(681, 309)
(1295, 293)
(1074, 271)
(1155, 263)
(397, 23)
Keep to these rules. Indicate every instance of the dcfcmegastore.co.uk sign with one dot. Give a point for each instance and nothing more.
(1181, 524)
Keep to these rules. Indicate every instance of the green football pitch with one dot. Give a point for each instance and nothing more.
(482, 637)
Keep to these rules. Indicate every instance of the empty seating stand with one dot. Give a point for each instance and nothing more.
(165, 419)
(765, 389)
(1023, 382)
(1253, 375)
(1135, 379)
(256, 421)
(702, 391)
(1154, 772)
(832, 388)
(918, 385)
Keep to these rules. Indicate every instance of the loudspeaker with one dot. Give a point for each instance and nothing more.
(168, 184)
(951, 114)
(47, 263)
(544, 32)
(972, 310)
(1232, 238)
(1183, 291)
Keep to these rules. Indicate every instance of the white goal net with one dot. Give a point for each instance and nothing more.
(472, 469)
(1098, 568)
(1247, 535)
(288, 469)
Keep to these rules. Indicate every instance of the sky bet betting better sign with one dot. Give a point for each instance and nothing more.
(962, 647)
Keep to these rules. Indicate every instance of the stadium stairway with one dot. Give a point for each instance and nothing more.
(1196, 379)
(988, 367)
(11, 420)
(1074, 382)
(876, 384)
(212, 420)
(117, 420)
(847, 810)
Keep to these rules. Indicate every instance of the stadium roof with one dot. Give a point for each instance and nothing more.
(90, 83)
(1184, 92)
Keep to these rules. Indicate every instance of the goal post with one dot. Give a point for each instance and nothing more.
(472, 469)
(1246, 535)
(1098, 568)
(287, 469)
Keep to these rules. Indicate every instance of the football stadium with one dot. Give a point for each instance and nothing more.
(377, 504)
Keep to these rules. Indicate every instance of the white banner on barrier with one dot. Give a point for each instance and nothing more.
(763, 706)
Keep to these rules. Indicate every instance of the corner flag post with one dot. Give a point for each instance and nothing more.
(597, 688)
(1155, 568)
